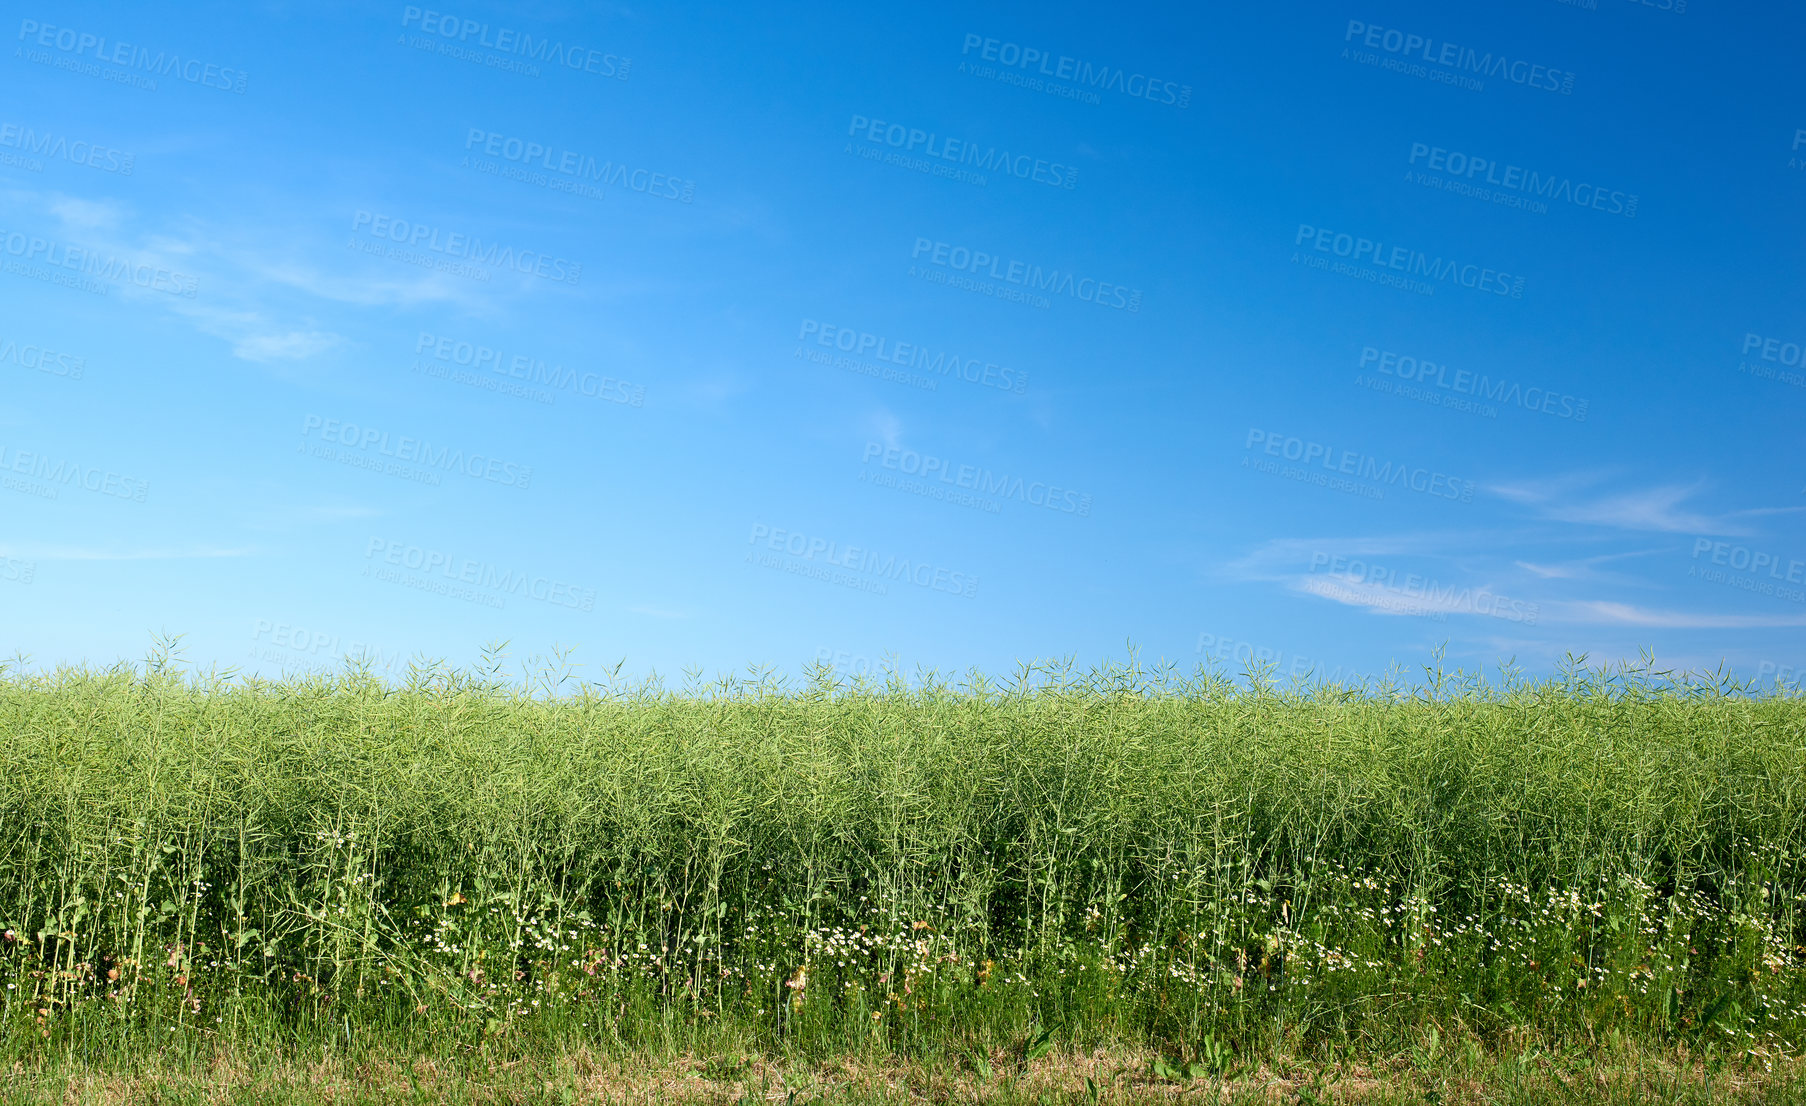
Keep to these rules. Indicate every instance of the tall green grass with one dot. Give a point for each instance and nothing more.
(1209, 870)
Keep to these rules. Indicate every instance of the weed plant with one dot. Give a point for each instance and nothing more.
(1210, 869)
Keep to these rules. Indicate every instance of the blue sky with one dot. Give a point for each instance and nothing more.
(702, 336)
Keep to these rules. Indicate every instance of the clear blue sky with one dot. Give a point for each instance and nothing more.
(705, 336)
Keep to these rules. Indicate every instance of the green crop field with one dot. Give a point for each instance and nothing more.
(1111, 886)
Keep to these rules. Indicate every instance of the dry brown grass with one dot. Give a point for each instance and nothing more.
(1103, 1076)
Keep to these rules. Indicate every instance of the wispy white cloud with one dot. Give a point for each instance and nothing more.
(254, 336)
(1659, 509)
(1423, 598)
(888, 427)
(1585, 568)
(280, 517)
(1600, 611)
(1434, 574)
(1278, 559)
(332, 512)
(296, 345)
(363, 289)
(244, 281)
(37, 552)
(86, 215)
(1567, 570)
(717, 389)
(1371, 597)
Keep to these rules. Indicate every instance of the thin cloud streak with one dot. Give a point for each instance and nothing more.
(76, 553)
